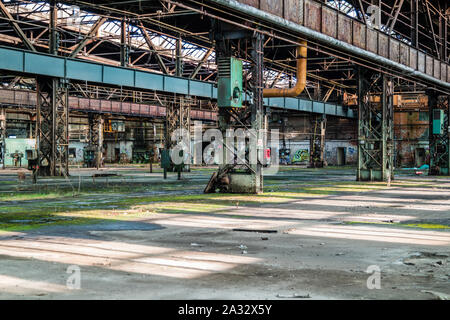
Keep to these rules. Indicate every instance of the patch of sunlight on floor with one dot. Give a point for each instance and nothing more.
(433, 238)
(219, 222)
(149, 260)
(23, 286)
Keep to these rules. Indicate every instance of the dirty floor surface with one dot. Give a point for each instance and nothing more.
(315, 232)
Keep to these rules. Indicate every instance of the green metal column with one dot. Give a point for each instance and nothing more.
(375, 127)
(439, 134)
(2, 135)
(240, 174)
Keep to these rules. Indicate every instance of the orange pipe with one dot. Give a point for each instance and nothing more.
(302, 52)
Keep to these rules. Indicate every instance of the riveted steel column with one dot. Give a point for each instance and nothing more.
(241, 127)
(257, 107)
(317, 141)
(179, 58)
(387, 98)
(3, 135)
(53, 33)
(52, 127)
(375, 127)
(439, 135)
(96, 122)
(177, 117)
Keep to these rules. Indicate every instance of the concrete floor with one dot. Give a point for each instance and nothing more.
(135, 236)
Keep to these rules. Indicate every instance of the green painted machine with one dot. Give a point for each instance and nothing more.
(438, 121)
(229, 85)
(141, 156)
(89, 157)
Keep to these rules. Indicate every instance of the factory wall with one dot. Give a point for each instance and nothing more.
(411, 136)
(19, 146)
(114, 149)
(76, 152)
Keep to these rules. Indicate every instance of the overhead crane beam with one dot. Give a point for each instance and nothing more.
(27, 63)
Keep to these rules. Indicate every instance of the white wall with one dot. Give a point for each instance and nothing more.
(79, 146)
(124, 146)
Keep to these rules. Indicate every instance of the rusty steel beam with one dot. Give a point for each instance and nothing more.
(200, 64)
(394, 14)
(329, 41)
(95, 27)
(16, 27)
(153, 49)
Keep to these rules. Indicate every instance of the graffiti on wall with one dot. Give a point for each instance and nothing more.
(300, 155)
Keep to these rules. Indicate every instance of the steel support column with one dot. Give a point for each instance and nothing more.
(179, 58)
(439, 135)
(53, 33)
(3, 136)
(96, 122)
(317, 141)
(52, 127)
(242, 173)
(177, 117)
(124, 48)
(414, 15)
(257, 106)
(375, 127)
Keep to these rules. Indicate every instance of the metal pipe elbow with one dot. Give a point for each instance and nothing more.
(295, 91)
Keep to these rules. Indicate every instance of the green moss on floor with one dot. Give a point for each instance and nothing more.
(408, 225)
(125, 197)
(426, 226)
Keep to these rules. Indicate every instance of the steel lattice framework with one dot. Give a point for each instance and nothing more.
(177, 118)
(95, 135)
(53, 127)
(375, 127)
(439, 143)
(178, 42)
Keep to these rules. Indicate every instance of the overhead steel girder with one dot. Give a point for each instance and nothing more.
(375, 127)
(424, 69)
(28, 63)
(16, 27)
(94, 29)
(153, 49)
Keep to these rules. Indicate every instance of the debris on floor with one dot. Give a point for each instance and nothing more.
(437, 295)
(256, 230)
(294, 296)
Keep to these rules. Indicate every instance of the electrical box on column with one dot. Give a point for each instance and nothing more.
(229, 84)
(438, 121)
